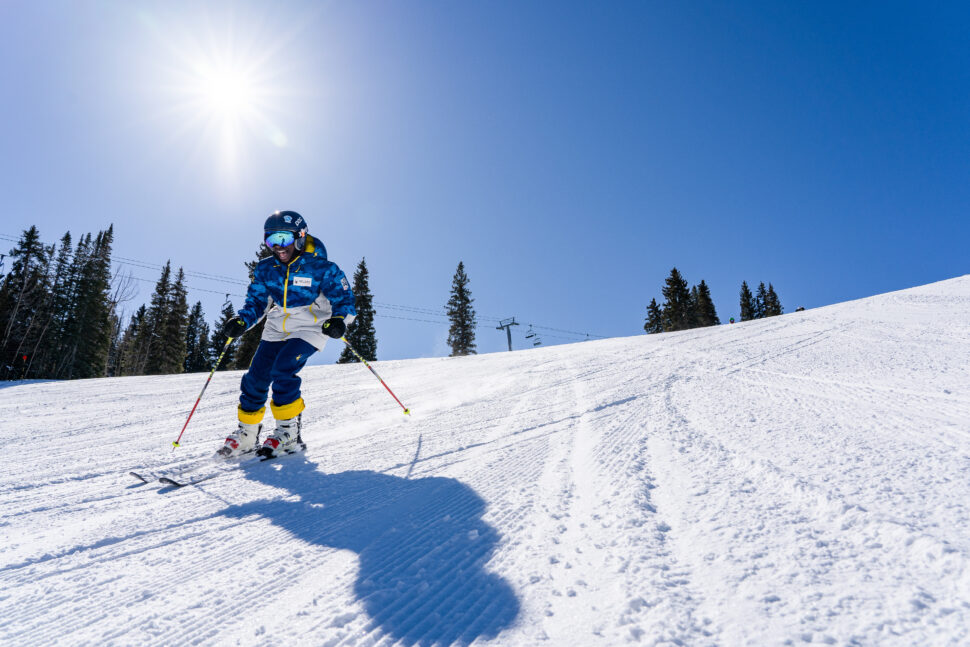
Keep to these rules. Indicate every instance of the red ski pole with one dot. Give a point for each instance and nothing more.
(175, 443)
(357, 355)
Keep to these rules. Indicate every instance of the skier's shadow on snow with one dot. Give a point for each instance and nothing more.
(421, 544)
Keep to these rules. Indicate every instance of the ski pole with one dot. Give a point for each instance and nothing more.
(175, 443)
(407, 411)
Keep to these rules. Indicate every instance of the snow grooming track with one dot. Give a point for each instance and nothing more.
(610, 537)
(798, 480)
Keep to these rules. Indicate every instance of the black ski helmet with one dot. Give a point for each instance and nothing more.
(287, 221)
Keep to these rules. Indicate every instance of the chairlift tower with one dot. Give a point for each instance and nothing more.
(506, 325)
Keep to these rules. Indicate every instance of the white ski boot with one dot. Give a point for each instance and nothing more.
(241, 441)
(285, 440)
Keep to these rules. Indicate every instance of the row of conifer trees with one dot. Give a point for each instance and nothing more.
(58, 314)
(685, 308)
(61, 317)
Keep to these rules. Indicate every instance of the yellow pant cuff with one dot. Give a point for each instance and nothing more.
(287, 411)
(251, 417)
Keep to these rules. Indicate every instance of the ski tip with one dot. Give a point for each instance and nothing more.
(139, 477)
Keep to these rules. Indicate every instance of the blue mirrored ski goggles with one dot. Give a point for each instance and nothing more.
(279, 238)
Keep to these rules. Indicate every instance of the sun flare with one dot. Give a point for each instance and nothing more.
(215, 90)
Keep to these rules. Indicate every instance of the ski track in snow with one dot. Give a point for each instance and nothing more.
(797, 480)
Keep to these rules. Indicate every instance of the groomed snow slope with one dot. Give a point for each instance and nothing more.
(803, 479)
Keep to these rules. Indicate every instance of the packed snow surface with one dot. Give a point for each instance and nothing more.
(800, 479)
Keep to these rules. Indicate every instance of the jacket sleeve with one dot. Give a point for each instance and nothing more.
(257, 298)
(337, 290)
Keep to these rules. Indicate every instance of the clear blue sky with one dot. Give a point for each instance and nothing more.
(569, 153)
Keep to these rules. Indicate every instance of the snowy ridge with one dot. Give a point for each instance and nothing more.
(802, 479)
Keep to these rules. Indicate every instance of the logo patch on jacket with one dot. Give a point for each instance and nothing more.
(344, 283)
(302, 281)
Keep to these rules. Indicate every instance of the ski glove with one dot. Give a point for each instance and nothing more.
(334, 327)
(234, 327)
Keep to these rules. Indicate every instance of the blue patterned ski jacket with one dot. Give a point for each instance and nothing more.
(298, 297)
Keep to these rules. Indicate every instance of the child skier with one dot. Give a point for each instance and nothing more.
(305, 299)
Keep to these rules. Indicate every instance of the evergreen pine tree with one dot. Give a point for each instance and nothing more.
(218, 339)
(70, 326)
(772, 304)
(694, 298)
(205, 359)
(144, 341)
(461, 333)
(93, 311)
(129, 353)
(704, 312)
(361, 333)
(150, 334)
(654, 322)
(22, 296)
(47, 348)
(33, 336)
(37, 325)
(760, 301)
(197, 341)
(173, 325)
(245, 347)
(677, 311)
(747, 302)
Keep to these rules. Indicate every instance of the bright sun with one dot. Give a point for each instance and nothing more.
(226, 94)
(217, 88)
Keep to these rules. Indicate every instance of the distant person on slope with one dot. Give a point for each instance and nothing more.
(305, 299)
